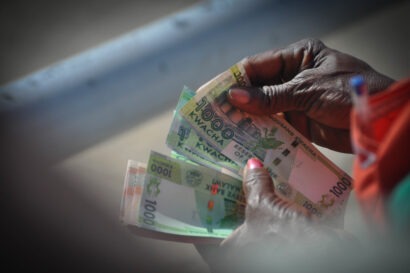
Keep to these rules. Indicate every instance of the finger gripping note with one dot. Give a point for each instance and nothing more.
(258, 181)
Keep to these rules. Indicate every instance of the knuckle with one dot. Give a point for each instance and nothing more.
(312, 45)
(313, 42)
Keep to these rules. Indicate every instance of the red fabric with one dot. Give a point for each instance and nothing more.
(382, 149)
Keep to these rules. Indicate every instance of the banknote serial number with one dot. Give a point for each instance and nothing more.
(149, 212)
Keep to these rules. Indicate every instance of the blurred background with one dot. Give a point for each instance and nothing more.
(87, 85)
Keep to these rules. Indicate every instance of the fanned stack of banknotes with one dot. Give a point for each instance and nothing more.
(195, 193)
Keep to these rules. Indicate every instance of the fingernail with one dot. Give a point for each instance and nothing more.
(254, 163)
(239, 95)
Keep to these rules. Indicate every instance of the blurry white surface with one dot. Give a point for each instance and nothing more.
(35, 34)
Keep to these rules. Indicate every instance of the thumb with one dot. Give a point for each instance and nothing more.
(257, 182)
(264, 101)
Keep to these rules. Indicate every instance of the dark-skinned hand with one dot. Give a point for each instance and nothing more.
(309, 83)
(273, 229)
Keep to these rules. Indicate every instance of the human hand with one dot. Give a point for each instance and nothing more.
(273, 228)
(309, 82)
(269, 219)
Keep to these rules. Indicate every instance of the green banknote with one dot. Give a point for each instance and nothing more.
(301, 173)
(205, 163)
(185, 199)
(188, 143)
(130, 206)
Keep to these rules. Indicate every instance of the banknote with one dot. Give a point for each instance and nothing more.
(131, 196)
(301, 173)
(179, 198)
(185, 141)
(130, 205)
(206, 164)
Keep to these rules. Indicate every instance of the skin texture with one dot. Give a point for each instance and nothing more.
(267, 216)
(273, 230)
(309, 83)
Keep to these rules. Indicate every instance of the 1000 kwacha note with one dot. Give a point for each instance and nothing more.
(130, 207)
(184, 199)
(185, 141)
(301, 173)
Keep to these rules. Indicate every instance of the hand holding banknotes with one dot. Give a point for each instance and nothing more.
(273, 228)
(214, 185)
(309, 82)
